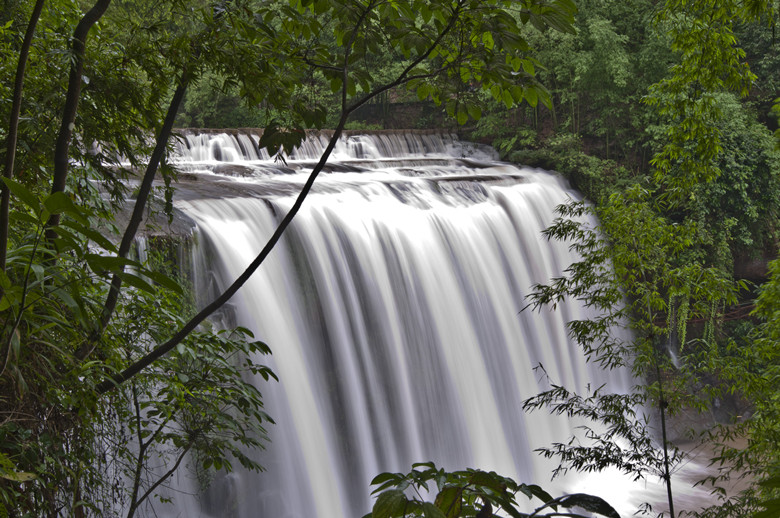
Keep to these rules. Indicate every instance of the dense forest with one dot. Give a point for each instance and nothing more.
(664, 114)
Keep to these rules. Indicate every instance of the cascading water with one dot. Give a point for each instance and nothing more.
(393, 309)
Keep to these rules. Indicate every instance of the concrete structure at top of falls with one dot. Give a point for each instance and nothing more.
(393, 309)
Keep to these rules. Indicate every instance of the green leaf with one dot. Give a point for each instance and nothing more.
(277, 138)
(136, 282)
(58, 202)
(425, 12)
(462, 116)
(389, 504)
(590, 503)
(68, 300)
(449, 501)
(164, 281)
(431, 511)
(5, 282)
(475, 112)
(16, 343)
(487, 40)
(771, 509)
(508, 505)
(101, 263)
(539, 493)
(489, 480)
(38, 270)
(531, 96)
(82, 227)
(17, 476)
(385, 477)
(507, 98)
(422, 91)
(24, 194)
(772, 482)
(17, 216)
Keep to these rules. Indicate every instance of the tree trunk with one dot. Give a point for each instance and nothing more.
(13, 129)
(138, 210)
(62, 147)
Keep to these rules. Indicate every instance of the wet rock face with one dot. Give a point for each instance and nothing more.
(237, 145)
(755, 269)
(234, 170)
(225, 163)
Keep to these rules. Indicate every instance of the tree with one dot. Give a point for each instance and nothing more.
(84, 350)
(457, 38)
(640, 281)
(654, 267)
(711, 61)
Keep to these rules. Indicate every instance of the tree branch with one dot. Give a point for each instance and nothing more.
(134, 505)
(62, 147)
(162, 349)
(193, 323)
(320, 65)
(402, 77)
(138, 211)
(141, 452)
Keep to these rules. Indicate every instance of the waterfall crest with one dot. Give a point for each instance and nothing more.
(393, 309)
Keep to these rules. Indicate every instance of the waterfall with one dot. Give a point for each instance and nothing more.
(393, 306)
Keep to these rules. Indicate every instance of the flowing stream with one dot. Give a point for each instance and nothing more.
(394, 309)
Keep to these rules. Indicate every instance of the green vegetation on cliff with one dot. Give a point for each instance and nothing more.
(659, 112)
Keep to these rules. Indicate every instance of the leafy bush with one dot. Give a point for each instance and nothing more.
(470, 492)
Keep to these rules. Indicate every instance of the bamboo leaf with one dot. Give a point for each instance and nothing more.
(24, 194)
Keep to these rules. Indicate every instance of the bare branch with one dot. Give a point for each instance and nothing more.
(134, 505)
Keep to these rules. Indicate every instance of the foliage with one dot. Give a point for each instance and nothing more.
(751, 371)
(614, 433)
(214, 102)
(645, 281)
(598, 75)
(711, 61)
(96, 345)
(596, 178)
(194, 401)
(737, 213)
(194, 405)
(459, 493)
(661, 263)
(103, 368)
(759, 40)
(56, 426)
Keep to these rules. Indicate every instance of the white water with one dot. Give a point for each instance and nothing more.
(393, 309)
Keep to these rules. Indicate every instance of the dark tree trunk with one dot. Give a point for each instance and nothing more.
(62, 147)
(13, 128)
